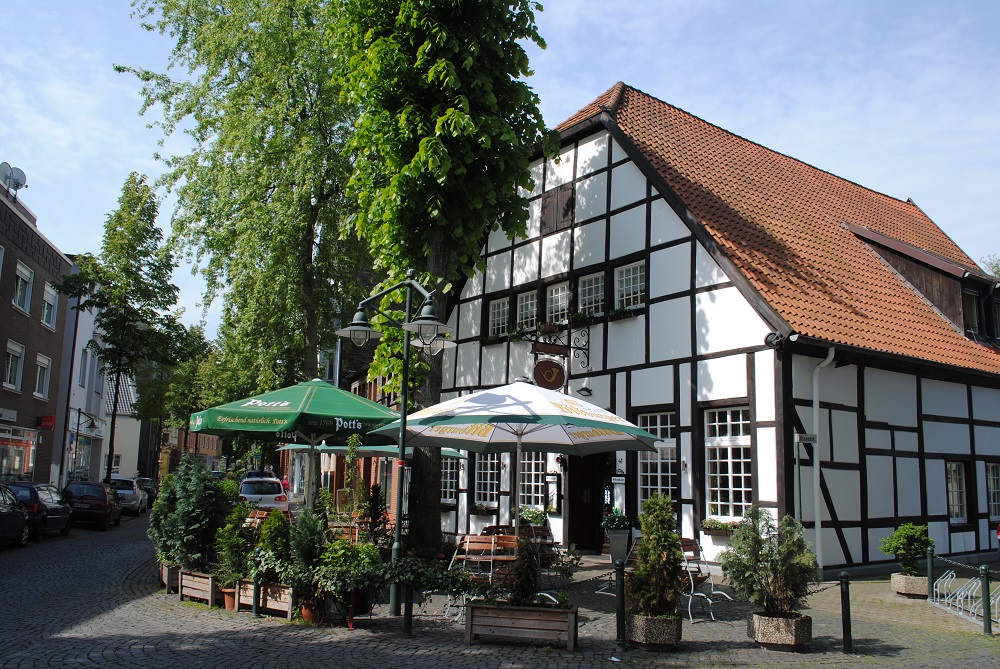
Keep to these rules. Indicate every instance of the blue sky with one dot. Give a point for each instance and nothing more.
(900, 96)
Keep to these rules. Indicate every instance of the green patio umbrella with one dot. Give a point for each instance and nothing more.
(371, 451)
(312, 412)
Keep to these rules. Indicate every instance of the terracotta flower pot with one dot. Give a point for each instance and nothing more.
(312, 612)
(229, 598)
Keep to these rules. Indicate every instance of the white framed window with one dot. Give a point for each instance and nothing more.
(955, 482)
(82, 372)
(42, 366)
(730, 461)
(657, 469)
(487, 479)
(630, 285)
(527, 310)
(531, 475)
(970, 310)
(499, 316)
(557, 303)
(590, 294)
(13, 365)
(24, 277)
(49, 302)
(449, 480)
(993, 489)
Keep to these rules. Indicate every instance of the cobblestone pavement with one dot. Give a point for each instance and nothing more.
(92, 600)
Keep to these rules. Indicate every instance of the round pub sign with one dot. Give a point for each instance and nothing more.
(549, 374)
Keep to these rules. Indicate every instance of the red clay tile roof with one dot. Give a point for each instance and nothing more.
(780, 221)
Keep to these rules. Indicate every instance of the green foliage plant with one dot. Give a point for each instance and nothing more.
(347, 567)
(307, 540)
(532, 515)
(770, 565)
(162, 519)
(269, 560)
(199, 512)
(908, 543)
(616, 520)
(652, 588)
(232, 547)
(524, 574)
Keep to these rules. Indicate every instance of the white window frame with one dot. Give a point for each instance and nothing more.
(499, 316)
(50, 302)
(590, 294)
(656, 468)
(957, 492)
(970, 311)
(43, 370)
(630, 285)
(13, 365)
(557, 302)
(993, 489)
(24, 279)
(449, 480)
(487, 489)
(527, 310)
(82, 373)
(729, 462)
(532, 489)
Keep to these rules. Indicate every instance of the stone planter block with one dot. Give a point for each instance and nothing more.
(913, 587)
(780, 633)
(653, 633)
(522, 622)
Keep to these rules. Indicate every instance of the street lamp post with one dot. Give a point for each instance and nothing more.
(431, 334)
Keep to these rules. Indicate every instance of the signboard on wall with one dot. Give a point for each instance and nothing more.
(549, 374)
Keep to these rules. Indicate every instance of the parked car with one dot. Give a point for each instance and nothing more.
(94, 502)
(135, 500)
(13, 518)
(48, 510)
(266, 493)
(147, 484)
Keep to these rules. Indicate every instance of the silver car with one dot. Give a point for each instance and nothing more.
(135, 500)
(265, 493)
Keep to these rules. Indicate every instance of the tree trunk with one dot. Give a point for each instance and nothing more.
(114, 418)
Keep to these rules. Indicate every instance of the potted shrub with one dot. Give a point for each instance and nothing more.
(349, 575)
(653, 587)
(161, 532)
(772, 567)
(532, 515)
(909, 543)
(232, 546)
(714, 527)
(307, 540)
(522, 616)
(268, 565)
(618, 527)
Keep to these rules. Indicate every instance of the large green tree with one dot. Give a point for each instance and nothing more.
(443, 141)
(992, 264)
(128, 287)
(260, 195)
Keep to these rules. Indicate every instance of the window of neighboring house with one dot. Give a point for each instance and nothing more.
(993, 489)
(590, 297)
(93, 370)
(656, 469)
(49, 302)
(42, 366)
(499, 316)
(82, 380)
(630, 285)
(488, 479)
(995, 308)
(23, 279)
(99, 382)
(730, 464)
(527, 309)
(557, 303)
(117, 463)
(13, 365)
(970, 310)
(955, 483)
(558, 208)
(449, 480)
(531, 475)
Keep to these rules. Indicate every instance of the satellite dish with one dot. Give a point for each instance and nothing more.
(18, 179)
(5, 174)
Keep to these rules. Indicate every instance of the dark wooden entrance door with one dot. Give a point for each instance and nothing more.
(585, 501)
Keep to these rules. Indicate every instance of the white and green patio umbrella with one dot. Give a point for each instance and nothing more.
(521, 417)
(388, 451)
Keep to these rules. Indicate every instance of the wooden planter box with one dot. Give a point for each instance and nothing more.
(193, 585)
(522, 622)
(717, 532)
(168, 577)
(275, 598)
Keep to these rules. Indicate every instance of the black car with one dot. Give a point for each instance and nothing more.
(94, 502)
(48, 510)
(13, 518)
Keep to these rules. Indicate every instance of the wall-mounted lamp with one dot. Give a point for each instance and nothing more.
(684, 465)
(585, 391)
(561, 461)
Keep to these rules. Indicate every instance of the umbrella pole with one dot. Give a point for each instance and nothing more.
(515, 488)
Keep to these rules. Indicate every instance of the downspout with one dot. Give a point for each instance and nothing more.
(816, 456)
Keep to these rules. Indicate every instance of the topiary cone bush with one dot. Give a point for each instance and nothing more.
(770, 566)
(162, 519)
(908, 544)
(653, 586)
